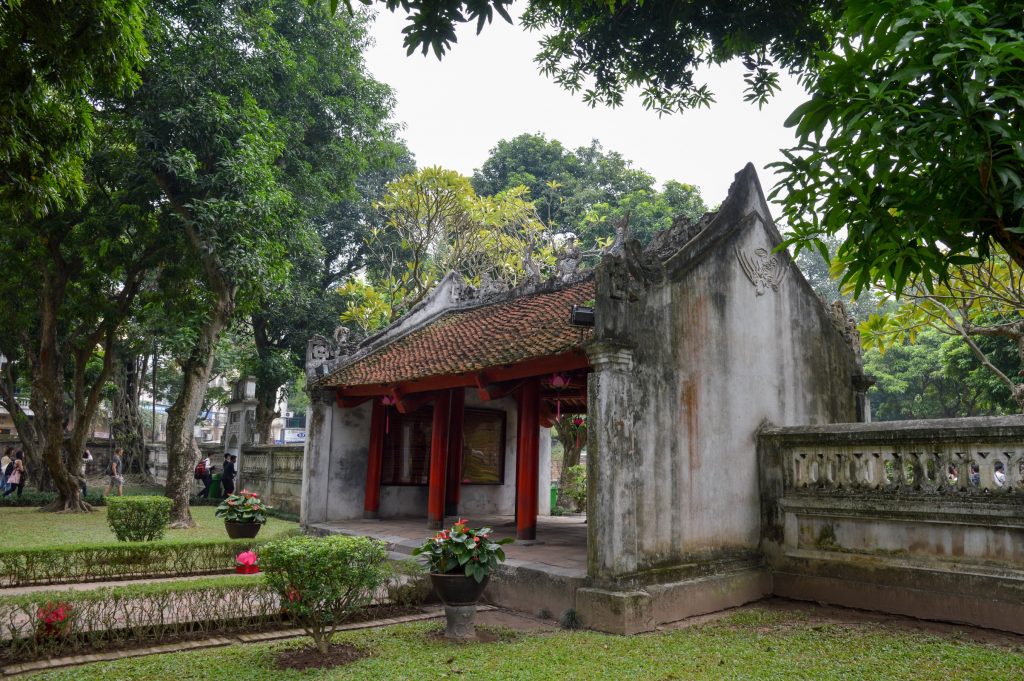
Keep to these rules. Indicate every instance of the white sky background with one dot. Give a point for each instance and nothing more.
(488, 88)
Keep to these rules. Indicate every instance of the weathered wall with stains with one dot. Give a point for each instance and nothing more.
(712, 343)
(921, 518)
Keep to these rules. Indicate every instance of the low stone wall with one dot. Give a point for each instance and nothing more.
(275, 473)
(921, 518)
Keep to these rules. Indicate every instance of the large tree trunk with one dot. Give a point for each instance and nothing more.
(182, 450)
(126, 425)
(48, 401)
(267, 385)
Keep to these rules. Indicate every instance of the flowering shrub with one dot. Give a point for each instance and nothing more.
(52, 619)
(323, 580)
(244, 507)
(463, 549)
(245, 562)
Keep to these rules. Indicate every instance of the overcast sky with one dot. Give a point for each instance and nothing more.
(488, 88)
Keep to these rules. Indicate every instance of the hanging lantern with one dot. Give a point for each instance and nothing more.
(559, 381)
(387, 401)
(578, 425)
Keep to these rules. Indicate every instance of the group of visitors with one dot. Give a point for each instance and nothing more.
(204, 473)
(14, 471)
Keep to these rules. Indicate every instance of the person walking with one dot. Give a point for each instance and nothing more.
(227, 476)
(6, 461)
(116, 473)
(16, 480)
(86, 458)
(204, 473)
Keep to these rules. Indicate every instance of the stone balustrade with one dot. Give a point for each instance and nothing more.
(888, 515)
(275, 473)
(923, 467)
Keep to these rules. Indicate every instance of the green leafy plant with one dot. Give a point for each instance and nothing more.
(138, 518)
(244, 507)
(576, 485)
(323, 580)
(409, 584)
(462, 548)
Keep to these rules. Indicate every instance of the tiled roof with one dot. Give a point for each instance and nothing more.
(471, 340)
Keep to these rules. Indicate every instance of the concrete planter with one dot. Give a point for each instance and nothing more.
(459, 594)
(242, 530)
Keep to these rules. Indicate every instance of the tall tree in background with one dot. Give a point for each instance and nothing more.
(983, 300)
(587, 190)
(84, 268)
(215, 145)
(335, 173)
(434, 223)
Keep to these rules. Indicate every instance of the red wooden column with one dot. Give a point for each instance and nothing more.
(438, 460)
(371, 505)
(453, 480)
(528, 460)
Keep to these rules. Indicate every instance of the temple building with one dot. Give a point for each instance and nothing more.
(679, 353)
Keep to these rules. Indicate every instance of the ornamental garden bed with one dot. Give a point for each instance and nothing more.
(49, 624)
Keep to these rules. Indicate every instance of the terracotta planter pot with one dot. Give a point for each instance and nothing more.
(242, 530)
(456, 589)
(247, 569)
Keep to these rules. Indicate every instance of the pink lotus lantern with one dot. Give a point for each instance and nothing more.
(558, 382)
(245, 563)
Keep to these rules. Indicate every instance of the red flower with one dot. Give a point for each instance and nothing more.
(476, 540)
(292, 594)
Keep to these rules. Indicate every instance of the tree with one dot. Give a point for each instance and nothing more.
(936, 376)
(222, 133)
(71, 279)
(985, 300)
(56, 56)
(658, 46)
(587, 190)
(435, 224)
(911, 143)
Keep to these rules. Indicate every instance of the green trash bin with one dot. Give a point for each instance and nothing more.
(554, 495)
(215, 487)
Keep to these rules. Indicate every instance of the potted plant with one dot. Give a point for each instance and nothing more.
(243, 513)
(245, 563)
(460, 560)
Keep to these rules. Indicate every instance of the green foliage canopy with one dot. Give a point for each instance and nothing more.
(911, 143)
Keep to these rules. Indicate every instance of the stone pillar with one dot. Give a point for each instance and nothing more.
(316, 463)
(438, 461)
(611, 464)
(375, 457)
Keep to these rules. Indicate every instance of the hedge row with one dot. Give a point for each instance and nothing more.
(58, 623)
(34, 498)
(118, 560)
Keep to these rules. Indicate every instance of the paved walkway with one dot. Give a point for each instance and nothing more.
(561, 544)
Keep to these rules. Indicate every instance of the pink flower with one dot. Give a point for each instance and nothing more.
(247, 558)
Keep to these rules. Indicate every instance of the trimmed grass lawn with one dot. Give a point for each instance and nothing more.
(752, 644)
(28, 528)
